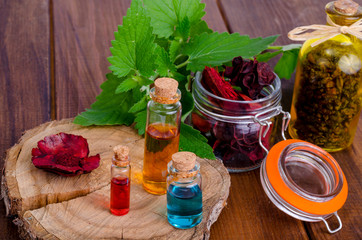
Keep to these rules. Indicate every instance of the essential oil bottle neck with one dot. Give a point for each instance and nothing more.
(340, 18)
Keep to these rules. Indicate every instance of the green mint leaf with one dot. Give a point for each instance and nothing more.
(183, 29)
(187, 100)
(257, 45)
(164, 64)
(264, 57)
(132, 82)
(141, 119)
(174, 49)
(287, 63)
(237, 88)
(199, 28)
(213, 49)
(133, 47)
(166, 15)
(163, 16)
(191, 140)
(137, 94)
(140, 105)
(143, 81)
(126, 85)
(110, 108)
(162, 42)
(217, 48)
(179, 77)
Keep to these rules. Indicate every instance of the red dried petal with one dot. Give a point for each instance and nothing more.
(64, 154)
(51, 144)
(216, 144)
(36, 152)
(217, 85)
(77, 145)
(265, 74)
(90, 163)
(200, 123)
(244, 97)
(250, 76)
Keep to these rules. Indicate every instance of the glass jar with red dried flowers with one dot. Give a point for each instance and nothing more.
(229, 107)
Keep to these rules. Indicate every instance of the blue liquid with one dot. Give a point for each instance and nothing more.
(184, 206)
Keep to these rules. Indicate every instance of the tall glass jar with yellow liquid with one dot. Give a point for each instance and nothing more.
(328, 87)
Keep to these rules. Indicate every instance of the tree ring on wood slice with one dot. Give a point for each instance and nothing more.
(49, 206)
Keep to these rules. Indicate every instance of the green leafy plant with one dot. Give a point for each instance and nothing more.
(168, 38)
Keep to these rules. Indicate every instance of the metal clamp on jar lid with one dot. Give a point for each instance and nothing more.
(302, 179)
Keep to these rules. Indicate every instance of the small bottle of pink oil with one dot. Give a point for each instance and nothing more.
(120, 181)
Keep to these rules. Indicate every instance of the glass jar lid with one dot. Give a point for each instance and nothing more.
(306, 176)
(302, 179)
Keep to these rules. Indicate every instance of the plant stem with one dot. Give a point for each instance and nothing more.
(183, 64)
(275, 47)
(178, 56)
(153, 77)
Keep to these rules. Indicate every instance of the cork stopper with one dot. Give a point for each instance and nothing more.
(121, 155)
(348, 7)
(183, 161)
(165, 91)
(166, 87)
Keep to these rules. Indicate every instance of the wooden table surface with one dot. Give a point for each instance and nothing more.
(53, 59)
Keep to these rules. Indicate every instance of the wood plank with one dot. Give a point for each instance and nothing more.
(213, 16)
(83, 31)
(261, 18)
(351, 212)
(24, 77)
(250, 215)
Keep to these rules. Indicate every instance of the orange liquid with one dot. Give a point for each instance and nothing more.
(162, 140)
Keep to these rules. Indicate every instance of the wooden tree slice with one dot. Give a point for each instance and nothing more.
(56, 207)
(27, 187)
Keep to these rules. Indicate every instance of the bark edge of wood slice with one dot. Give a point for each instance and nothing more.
(82, 212)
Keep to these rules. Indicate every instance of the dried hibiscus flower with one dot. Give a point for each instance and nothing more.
(64, 154)
(217, 85)
(250, 76)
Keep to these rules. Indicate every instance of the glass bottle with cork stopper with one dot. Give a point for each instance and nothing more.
(162, 133)
(121, 181)
(184, 195)
(328, 87)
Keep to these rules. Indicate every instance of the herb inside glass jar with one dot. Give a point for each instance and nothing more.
(329, 98)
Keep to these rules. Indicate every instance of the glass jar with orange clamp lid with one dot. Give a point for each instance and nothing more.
(302, 179)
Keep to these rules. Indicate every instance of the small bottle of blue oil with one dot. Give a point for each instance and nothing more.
(184, 195)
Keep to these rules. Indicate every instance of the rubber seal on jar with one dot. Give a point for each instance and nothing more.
(299, 201)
